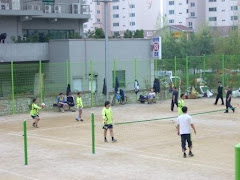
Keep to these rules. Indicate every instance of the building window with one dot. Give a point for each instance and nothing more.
(132, 6)
(85, 26)
(212, 1)
(115, 24)
(115, 7)
(192, 14)
(77, 84)
(132, 15)
(190, 24)
(98, 3)
(98, 20)
(234, 8)
(187, 11)
(115, 15)
(180, 22)
(192, 4)
(212, 19)
(171, 2)
(171, 21)
(98, 11)
(171, 11)
(115, 0)
(234, 18)
(120, 74)
(212, 9)
(186, 1)
(132, 23)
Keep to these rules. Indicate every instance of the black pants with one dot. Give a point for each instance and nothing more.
(184, 138)
(219, 96)
(228, 105)
(172, 104)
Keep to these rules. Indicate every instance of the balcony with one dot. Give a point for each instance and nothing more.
(38, 9)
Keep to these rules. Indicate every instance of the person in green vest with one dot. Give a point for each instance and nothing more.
(79, 107)
(34, 112)
(107, 117)
(181, 104)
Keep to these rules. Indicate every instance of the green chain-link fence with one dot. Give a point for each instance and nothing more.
(20, 82)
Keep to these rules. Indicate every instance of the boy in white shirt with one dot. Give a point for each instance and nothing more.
(184, 124)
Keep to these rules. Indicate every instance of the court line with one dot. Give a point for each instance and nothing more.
(10, 172)
(123, 150)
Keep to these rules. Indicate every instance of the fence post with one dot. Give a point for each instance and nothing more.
(187, 75)
(135, 73)
(204, 67)
(223, 70)
(67, 71)
(237, 162)
(93, 134)
(25, 142)
(156, 67)
(40, 81)
(13, 90)
(91, 71)
(175, 71)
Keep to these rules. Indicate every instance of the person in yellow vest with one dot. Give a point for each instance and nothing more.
(181, 104)
(34, 112)
(79, 107)
(107, 117)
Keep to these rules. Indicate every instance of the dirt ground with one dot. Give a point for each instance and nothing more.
(61, 147)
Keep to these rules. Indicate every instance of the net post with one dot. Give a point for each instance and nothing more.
(237, 162)
(93, 133)
(175, 71)
(67, 71)
(13, 89)
(204, 67)
(187, 75)
(25, 142)
(91, 71)
(135, 74)
(40, 81)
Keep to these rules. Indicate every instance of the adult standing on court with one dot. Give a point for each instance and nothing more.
(184, 124)
(174, 98)
(220, 93)
(228, 100)
(107, 117)
(181, 104)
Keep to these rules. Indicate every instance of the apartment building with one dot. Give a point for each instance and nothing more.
(221, 15)
(52, 18)
(126, 15)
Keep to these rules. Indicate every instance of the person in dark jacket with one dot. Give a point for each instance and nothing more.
(228, 100)
(220, 93)
(174, 98)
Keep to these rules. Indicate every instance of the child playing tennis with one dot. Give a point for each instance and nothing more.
(79, 107)
(107, 121)
(181, 104)
(34, 112)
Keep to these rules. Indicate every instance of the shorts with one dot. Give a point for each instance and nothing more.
(184, 138)
(34, 116)
(79, 108)
(108, 126)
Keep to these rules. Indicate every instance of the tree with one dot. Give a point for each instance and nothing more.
(99, 33)
(128, 34)
(139, 34)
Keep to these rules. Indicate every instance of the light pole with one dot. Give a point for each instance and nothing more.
(106, 45)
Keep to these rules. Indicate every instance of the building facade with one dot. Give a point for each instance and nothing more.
(125, 15)
(43, 18)
(221, 15)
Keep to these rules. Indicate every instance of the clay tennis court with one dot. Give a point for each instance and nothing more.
(61, 147)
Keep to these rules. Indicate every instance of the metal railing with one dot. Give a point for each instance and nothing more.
(38, 5)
